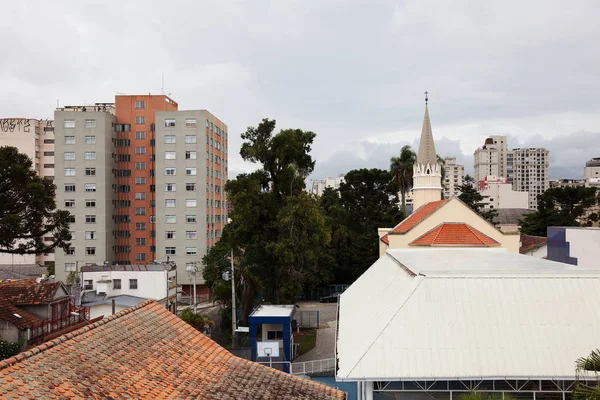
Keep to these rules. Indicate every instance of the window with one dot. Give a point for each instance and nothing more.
(140, 104)
(190, 187)
(170, 219)
(48, 165)
(140, 211)
(190, 155)
(169, 122)
(191, 251)
(170, 251)
(88, 284)
(69, 155)
(190, 138)
(69, 171)
(170, 235)
(140, 135)
(170, 139)
(116, 284)
(274, 335)
(90, 203)
(90, 219)
(191, 235)
(170, 171)
(69, 202)
(140, 196)
(133, 284)
(90, 140)
(140, 120)
(170, 187)
(69, 267)
(140, 226)
(90, 155)
(90, 123)
(90, 171)
(190, 122)
(140, 150)
(191, 203)
(140, 165)
(48, 141)
(190, 171)
(140, 256)
(170, 203)
(140, 180)
(190, 219)
(69, 187)
(90, 235)
(69, 139)
(170, 155)
(140, 241)
(69, 123)
(90, 187)
(90, 251)
(70, 251)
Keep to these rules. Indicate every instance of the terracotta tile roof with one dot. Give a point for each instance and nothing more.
(8, 311)
(146, 352)
(385, 239)
(27, 291)
(419, 215)
(454, 234)
(529, 243)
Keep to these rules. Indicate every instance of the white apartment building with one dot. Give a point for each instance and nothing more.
(84, 183)
(498, 193)
(454, 175)
(530, 172)
(191, 172)
(591, 172)
(35, 138)
(491, 158)
(319, 185)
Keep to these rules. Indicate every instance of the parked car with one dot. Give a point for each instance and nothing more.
(332, 298)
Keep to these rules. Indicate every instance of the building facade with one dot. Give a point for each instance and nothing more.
(567, 183)
(319, 185)
(530, 172)
(454, 175)
(35, 138)
(591, 172)
(498, 193)
(492, 158)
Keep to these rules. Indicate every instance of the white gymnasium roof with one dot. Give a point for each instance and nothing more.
(445, 314)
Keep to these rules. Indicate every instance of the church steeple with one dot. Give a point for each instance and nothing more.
(427, 154)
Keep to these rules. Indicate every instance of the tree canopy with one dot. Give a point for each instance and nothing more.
(401, 169)
(28, 212)
(473, 198)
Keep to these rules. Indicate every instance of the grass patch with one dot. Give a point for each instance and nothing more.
(306, 339)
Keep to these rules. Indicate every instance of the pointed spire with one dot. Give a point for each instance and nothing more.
(427, 152)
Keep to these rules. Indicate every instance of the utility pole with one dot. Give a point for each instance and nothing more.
(195, 298)
(233, 313)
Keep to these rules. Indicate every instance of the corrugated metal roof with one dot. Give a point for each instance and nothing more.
(467, 313)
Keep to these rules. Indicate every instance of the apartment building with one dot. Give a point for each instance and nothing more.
(498, 193)
(84, 167)
(591, 172)
(530, 172)
(35, 138)
(191, 172)
(319, 185)
(491, 158)
(454, 175)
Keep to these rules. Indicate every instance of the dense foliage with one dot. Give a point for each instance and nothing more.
(473, 198)
(28, 208)
(200, 322)
(401, 169)
(8, 349)
(587, 367)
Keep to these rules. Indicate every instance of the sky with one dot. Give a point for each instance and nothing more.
(353, 72)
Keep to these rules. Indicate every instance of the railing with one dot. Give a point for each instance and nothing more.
(313, 367)
(70, 316)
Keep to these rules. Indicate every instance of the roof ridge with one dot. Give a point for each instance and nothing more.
(54, 342)
(477, 234)
(440, 226)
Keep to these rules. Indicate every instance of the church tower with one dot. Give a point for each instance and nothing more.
(427, 172)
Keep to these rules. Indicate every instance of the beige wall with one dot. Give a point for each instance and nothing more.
(501, 195)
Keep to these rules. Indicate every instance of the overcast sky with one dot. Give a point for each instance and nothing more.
(354, 72)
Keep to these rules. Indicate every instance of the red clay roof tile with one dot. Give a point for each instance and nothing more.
(419, 215)
(385, 239)
(22, 321)
(146, 352)
(529, 242)
(28, 292)
(454, 234)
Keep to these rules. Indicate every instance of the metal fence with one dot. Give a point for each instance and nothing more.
(316, 294)
(307, 318)
(313, 367)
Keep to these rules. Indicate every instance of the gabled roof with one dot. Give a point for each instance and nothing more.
(454, 234)
(29, 292)
(448, 314)
(146, 352)
(529, 242)
(419, 215)
(385, 239)
(15, 316)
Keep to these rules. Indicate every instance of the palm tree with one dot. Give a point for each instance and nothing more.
(583, 366)
(201, 322)
(402, 171)
(442, 162)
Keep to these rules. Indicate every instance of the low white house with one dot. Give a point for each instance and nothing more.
(150, 281)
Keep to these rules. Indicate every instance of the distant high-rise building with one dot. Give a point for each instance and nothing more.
(530, 172)
(491, 158)
(454, 175)
(591, 172)
(35, 138)
(319, 185)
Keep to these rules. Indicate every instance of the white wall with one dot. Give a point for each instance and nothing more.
(271, 327)
(583, 244)
(501, 195)
(151, 284)
(104, 309)
(8, 332)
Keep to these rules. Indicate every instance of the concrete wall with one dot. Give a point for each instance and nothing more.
(501, 195)
(8, 332)
(151, 284)
(577, 246)
(41, 310)
(271, 327)
(104, 309)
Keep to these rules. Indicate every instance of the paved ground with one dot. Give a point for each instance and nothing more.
(325, 347)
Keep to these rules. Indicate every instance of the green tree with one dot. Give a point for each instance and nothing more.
(51, 269)
(442, 163)
(485, 396)
(401, 169)
(9, 349)
(589, 365)
(473, 198)
(561, 206)
(27, 208)
(200, 322)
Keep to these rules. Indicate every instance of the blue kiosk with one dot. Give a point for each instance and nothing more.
(276, 322)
